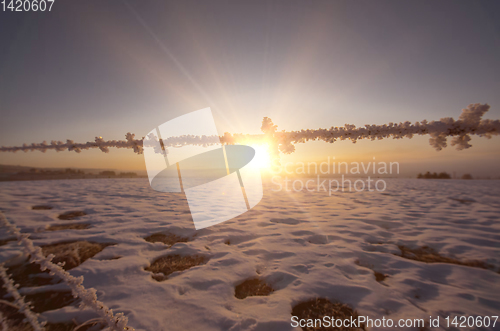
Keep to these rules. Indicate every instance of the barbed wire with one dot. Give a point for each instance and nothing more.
(115, 322)
(22, 306)
(3, 322)
(469, 123)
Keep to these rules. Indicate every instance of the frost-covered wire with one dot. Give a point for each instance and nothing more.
(116, 322)
(469, 123)
(70, 145)
(22, 306)
(3, 322)
(8, 303)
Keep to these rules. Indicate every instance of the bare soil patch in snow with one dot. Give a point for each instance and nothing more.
(76, 226)
(16, 323)
(429, 255)
(166, 265)
(50, 300)
(73, 253)
(320, 307)
(169, 239)
(41, 207)
(252, 287)
(70, 215)
(29, 274)
(464, 201)
(379, 277)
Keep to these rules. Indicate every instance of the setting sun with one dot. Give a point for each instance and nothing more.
(262, 158)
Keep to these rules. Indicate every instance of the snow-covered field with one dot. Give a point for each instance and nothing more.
(305, 245)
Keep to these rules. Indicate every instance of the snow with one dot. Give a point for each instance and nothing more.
(304, 244)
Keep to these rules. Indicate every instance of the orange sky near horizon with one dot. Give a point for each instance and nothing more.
(414, 155)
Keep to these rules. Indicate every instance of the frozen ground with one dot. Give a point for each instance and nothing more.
(303, 244)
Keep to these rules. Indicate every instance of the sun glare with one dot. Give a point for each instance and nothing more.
(262, 158)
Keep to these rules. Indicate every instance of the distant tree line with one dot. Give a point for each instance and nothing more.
(441, 175)
(110, 173)
(77, 172)
(428, 175)
(56, 172)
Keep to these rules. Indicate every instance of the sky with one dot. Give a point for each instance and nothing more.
(104, 68)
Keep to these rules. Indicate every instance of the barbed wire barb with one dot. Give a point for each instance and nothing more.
(469, 123)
